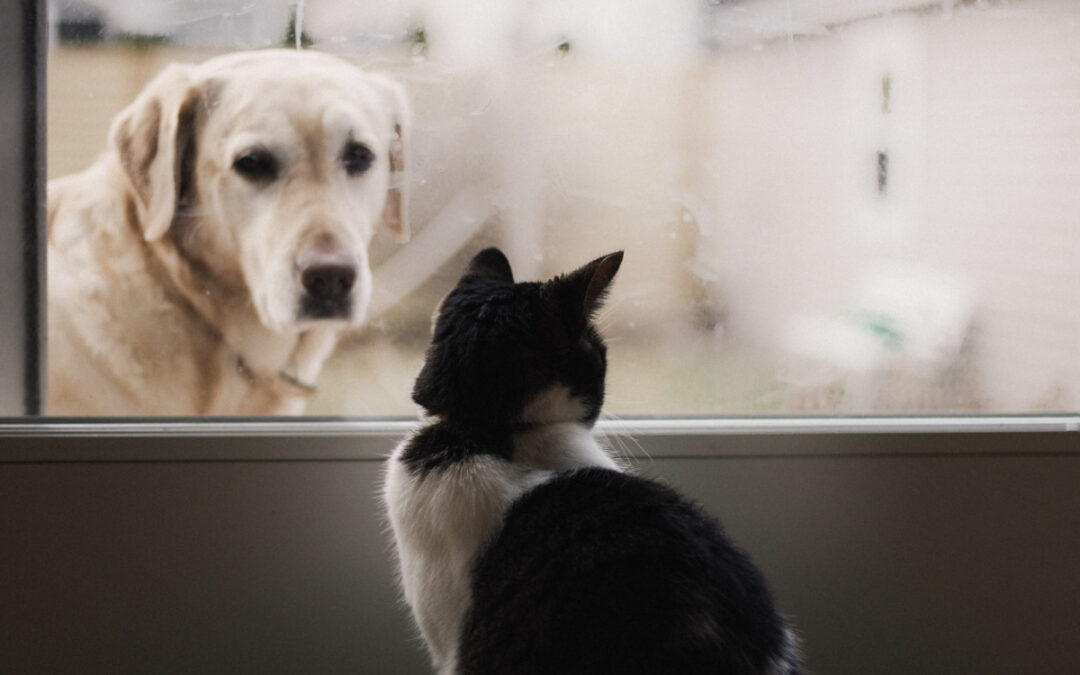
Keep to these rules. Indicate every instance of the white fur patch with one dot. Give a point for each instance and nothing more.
(561, 447)
(442, 519)
(554, 404)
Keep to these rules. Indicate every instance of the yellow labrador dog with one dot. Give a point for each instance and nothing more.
(207, 263)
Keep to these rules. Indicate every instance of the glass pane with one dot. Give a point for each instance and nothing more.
(834, 207)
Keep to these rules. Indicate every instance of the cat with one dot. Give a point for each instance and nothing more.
(523, 546)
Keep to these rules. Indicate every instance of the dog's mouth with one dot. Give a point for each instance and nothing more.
(315, 308)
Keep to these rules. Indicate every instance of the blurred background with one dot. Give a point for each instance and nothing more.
(827, 206)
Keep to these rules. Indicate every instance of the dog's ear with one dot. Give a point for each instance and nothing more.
(395, 214)
(153, 138)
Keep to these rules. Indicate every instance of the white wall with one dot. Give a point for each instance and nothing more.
(984, 166)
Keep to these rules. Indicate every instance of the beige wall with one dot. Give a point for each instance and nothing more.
(87, 86)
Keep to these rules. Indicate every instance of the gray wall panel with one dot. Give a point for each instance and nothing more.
(941, 563)
(250, 567)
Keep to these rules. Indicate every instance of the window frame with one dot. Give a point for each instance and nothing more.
(22, 209)
(161, 440)
(43, 439)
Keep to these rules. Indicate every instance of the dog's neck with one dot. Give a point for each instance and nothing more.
(284, 364)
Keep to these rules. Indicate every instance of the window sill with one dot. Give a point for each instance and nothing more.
(641, 439)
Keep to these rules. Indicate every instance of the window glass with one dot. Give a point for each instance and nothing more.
(826, 207)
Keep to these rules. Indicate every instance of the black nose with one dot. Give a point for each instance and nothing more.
(328, 280)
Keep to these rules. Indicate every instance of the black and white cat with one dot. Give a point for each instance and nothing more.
(523, 546)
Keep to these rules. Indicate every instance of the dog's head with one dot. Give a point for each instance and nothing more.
(270, 171)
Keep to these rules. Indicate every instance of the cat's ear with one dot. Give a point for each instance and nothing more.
(586, 287)
(603, 271)
(490, 263)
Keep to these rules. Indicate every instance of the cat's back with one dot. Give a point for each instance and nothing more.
(608, 572)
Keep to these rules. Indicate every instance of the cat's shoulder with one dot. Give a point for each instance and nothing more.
(440, 445)
(616, 486)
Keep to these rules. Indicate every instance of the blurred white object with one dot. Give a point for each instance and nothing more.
(902, 321)
(921, 315)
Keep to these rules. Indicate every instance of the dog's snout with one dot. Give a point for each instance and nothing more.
(327, 279)
(330, 278)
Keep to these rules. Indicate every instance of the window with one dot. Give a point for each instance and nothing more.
(835, 208)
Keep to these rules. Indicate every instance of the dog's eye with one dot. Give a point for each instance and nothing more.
(357, 158)
(256, 165)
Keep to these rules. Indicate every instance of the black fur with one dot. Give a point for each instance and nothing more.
(446, 443)
(496, 344)
(603, 572)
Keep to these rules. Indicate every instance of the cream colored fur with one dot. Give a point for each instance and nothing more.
(173, 285)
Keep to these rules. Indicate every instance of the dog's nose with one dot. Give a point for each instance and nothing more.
(328, 276)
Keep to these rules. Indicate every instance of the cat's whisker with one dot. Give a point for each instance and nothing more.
(623, 441)
(640, 448)
(604, 320)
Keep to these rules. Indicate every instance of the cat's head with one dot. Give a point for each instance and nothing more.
(506, 353)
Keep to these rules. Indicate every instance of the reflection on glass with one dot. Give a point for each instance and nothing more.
(825, 207)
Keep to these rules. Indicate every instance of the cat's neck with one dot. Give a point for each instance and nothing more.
(560, 446)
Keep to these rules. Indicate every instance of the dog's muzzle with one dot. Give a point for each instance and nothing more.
(327, 279)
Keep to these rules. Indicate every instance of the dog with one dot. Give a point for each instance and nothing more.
(208, 262)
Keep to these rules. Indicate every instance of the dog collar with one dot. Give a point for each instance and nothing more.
(283, 382)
